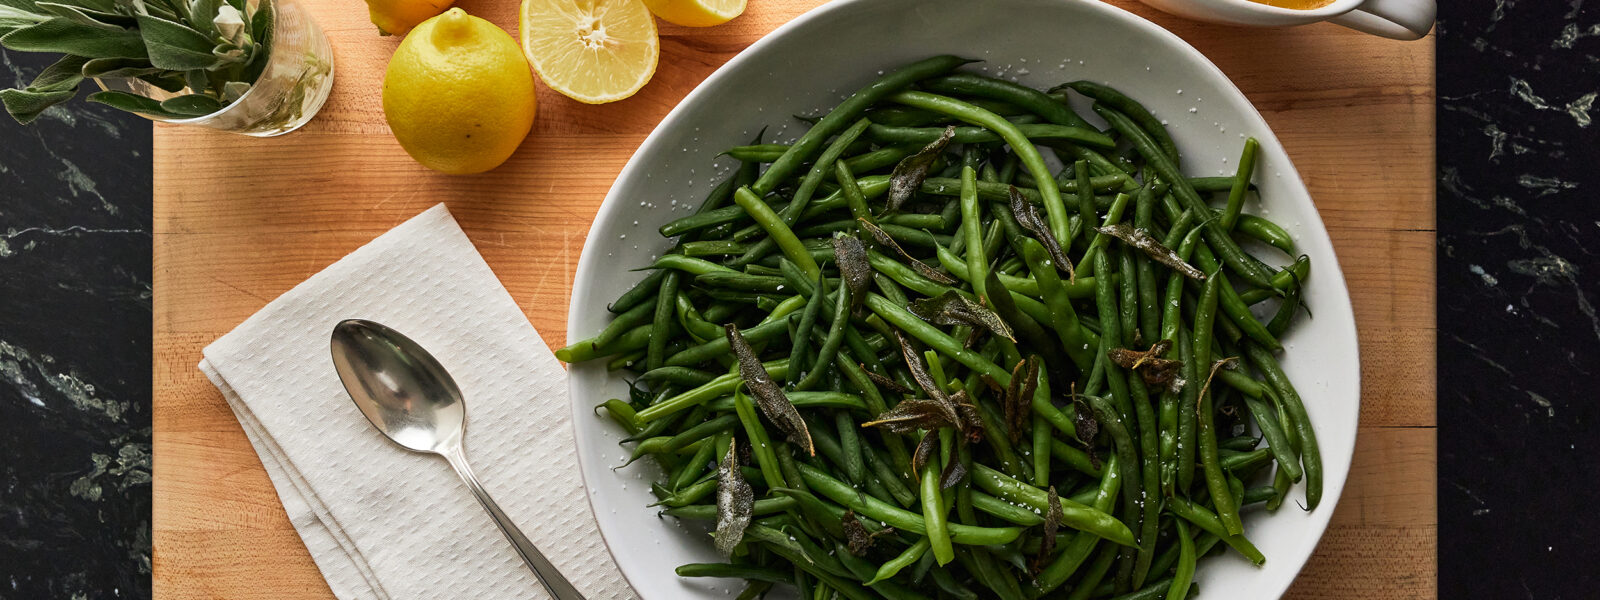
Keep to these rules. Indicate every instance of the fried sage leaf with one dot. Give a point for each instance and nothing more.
(920, 267)
(885, 382)
(1019, 396)
(919, 369)
(767, 394)
(1028, 217)
(917, 413)
(953, 474)
(952, 308)
(854, 268)
(1052, 524)
(925, 450)
(1149, 364)
(735, 502)
(909, 174)
(1142, 240)
(971, 422)
(857, 539)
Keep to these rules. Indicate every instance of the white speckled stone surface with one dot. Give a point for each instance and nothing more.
(382, 522)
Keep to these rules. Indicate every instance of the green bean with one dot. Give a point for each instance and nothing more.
(725, 570)
(802, 339)
(830, 346)
(1234, 257)
(906, 558)
(1097, 571)
(1086, 265)
(852, 192)
(977, 135)
(847, 112)
(1039, 103)
(1266, 232)
(1237, 311)
(1209, 521)
(824, 163)
(1241, 183)
(776, 229)
(718, 387)
(1184, 577)
(633, 317)
(1216, 479)
(583, 350)
(1132, 108)
(1000, 192)
(1041, 451)
(1310, 452)
(760, 444)
(638, 294)
(719, 346)
(1024, 149)
(660, 332)
(1077, 516)
(933, 516)
(855, 465)
(899, 518)
(1277, 442)
(804, 400)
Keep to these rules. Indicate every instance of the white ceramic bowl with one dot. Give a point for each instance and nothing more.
(805, 67)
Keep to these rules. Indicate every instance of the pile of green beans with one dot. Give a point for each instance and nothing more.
(1108, 479)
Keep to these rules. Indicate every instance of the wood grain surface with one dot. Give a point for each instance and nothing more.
(240, 220)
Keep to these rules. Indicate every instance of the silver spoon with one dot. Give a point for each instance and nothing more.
(409, 397)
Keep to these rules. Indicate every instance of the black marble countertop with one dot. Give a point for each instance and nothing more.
(74, 350)
(1519, 278)
(1519, 335)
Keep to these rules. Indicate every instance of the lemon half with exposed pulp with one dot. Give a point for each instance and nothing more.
(696, 13)
(592, 51)
(458, 95)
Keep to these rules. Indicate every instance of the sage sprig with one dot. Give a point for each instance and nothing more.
(205, 54)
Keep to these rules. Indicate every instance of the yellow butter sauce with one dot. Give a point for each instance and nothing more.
(1298, 4)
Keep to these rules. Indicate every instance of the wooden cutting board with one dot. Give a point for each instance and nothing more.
(239, 220)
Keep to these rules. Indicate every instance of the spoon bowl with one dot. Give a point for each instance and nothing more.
(409, 397)
(400, 387)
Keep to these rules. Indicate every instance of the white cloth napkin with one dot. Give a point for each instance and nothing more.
(382, 522)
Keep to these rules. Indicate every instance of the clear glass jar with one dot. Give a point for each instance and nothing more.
(291, 89)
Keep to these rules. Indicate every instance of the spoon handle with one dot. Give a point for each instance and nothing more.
(554, 582)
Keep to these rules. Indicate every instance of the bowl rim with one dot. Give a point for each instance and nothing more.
(1332, 494)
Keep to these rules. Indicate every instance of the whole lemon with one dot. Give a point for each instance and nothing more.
(458, 94)
(398, 16)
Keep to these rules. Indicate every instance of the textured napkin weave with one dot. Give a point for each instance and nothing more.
(382, 522)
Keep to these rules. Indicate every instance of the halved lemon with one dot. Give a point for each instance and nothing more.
(592, 51)
(696, 13)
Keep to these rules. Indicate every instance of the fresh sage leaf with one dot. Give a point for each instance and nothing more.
(132, 103)
(767, 394)
(62, 35)
(234, 90)
(193, 105)
(85, 16)
(118, 68)
(952, 308)
(229, 23)
(735, 502)
(170, 81)
(909, 174)
(175, 46)
(1141, 239)
(26, 105)
(64, 74)
(203, 14)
